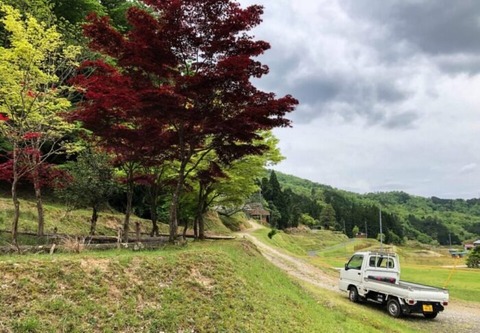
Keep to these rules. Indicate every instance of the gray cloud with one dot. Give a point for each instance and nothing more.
(351, 97)
(436, 28)
(386, 89)
(402, 120)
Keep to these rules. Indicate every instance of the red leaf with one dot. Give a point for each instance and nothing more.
(32, 135)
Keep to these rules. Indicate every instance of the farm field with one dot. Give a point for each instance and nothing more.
(430, 266)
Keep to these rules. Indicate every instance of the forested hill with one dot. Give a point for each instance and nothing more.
(404, 216)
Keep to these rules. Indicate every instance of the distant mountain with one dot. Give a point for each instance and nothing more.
(428, 220)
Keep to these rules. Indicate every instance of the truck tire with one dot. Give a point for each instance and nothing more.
(430, 315)
(353, 294)
(393, 308)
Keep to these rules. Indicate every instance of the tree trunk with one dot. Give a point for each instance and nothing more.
(185, 228)
(173, 223)
(93, 220)
(153, 211)
(155, 231)
(16, 211)
(129, 168)
(195, 228)
(128, 210)
(201, 227)
(38, 195)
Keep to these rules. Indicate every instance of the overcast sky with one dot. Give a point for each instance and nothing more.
(389, 92)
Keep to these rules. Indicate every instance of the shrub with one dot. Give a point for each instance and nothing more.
(73, 244)
(272, 233)
(473, 260)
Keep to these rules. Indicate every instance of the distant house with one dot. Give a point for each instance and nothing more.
(468, 247)
(257, 212)
(476, 243)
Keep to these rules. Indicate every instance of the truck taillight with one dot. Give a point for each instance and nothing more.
(411, 302)
(444, 303)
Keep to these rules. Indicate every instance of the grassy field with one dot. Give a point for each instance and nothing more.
(202, 287)
(420, 264)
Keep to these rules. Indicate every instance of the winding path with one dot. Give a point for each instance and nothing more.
(458, 317)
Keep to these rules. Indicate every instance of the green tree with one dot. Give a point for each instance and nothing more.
(473, 260)
(229, 186)
(34, 66)
(355, 230)
(92, 183)
(307, 220)
(327, 216)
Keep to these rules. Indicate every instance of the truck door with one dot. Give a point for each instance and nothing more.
(353, 269)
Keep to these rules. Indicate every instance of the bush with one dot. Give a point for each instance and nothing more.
(272, 233)
(473, 260)
(73, 244)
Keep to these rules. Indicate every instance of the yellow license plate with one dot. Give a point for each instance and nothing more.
(427, 308)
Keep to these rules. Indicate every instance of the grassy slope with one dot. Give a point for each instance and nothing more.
(203, 287)
(77, 222)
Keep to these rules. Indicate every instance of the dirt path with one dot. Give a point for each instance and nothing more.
(458, 317)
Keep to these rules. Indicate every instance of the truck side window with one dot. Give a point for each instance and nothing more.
(390, 263)
(372, 262)
(355, 262)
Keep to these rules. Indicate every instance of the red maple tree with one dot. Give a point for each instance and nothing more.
(180, 85)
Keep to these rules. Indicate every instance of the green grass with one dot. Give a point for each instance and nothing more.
(301, 243)
(202, 287)
(418, 264)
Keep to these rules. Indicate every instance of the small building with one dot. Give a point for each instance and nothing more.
(257, 212)
(476, 243)
(468, 247)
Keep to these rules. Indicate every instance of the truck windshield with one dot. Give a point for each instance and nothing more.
(355, 262)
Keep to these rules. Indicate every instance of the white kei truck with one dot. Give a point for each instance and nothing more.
(375, 276)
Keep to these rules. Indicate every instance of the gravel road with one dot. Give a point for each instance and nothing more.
(458, 317)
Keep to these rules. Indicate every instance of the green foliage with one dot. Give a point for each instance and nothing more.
(327, 216)
(425, 219)
(75, 11)
(272, 233)
(307, 220)
(355, 230)
(91, 185)
(473, 260)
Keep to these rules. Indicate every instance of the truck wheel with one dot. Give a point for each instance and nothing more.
(353, 294)
(394, 308)
(430, 315)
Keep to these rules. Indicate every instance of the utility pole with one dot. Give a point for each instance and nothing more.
(381, 231)
(366, 230)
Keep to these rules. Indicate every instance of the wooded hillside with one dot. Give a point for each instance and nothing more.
(404, 216)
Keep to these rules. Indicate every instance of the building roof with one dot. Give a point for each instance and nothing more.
(258, 211)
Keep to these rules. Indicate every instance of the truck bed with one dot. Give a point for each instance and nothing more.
(407, 290)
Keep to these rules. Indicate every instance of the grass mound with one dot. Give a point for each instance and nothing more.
(203, 287)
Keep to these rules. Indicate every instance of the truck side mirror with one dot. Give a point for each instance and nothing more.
(346, 266)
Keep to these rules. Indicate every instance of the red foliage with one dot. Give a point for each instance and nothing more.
(182, 76)
(3, 117)
(6, 171)
(51, 176)
(32, 135)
